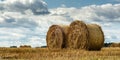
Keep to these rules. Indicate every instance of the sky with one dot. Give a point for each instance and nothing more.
(78, 3)
(26, 22)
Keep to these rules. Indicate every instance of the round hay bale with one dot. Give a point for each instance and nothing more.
(96, 37)
(115, 45)
(25, 46)
(55, 37)
(77, 35)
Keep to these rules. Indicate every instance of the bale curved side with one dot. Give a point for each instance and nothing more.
(55, 37)
(96, 37)
(77, 35)
(65, 33)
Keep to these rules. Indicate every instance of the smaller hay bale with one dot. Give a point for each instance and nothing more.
(115, 45)
(25, 46)
(55, 37)
(77, 35)
(96, 37)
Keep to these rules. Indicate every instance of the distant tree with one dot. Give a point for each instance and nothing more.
(111, 44)
(13, 46)
(107, 44)
(43, 46)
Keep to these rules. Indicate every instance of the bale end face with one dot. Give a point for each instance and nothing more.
(77, 35)
(54, 37)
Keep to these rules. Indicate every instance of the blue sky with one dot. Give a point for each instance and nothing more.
(78, 3)
(26, 22)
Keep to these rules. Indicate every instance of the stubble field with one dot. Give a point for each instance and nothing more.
(107, 53)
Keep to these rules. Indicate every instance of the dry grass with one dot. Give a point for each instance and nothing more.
(64, 54)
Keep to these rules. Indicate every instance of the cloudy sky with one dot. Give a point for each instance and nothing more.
(25, 22)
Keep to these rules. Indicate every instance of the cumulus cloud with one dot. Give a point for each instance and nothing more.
(23, 6)
(31, 29)
(36, 41)
(21, 29)
(112, 35)
(98, 13)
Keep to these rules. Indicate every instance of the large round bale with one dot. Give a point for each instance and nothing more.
(96, 37)
(55, 37)
(77, 35)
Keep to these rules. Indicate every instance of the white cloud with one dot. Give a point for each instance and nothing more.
(23, 6)
(63, 5)
(36, 41)
(4, 44)
(106, 12)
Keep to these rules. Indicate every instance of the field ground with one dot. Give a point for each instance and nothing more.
(109, 53)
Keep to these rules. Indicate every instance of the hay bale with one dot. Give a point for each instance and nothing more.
(55, 37)
(25, 46)
(77, 35)
(115, 45)
(96, 37)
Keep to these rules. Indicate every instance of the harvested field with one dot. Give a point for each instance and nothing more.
(108, 53)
